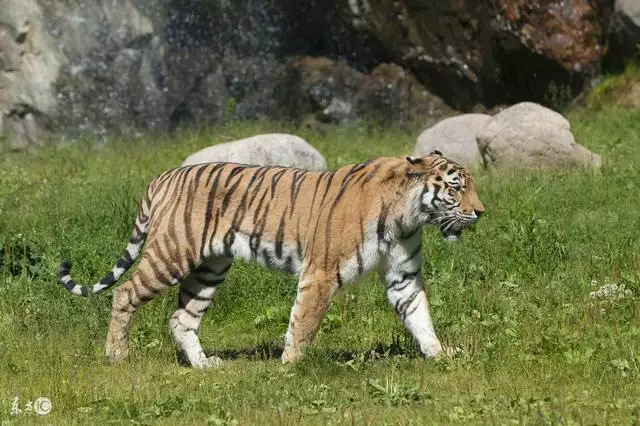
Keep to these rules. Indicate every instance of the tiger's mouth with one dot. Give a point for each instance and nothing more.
(451, 235)
(451, 227)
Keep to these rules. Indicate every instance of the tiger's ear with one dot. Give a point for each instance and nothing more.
(415, 160)
(435, 152)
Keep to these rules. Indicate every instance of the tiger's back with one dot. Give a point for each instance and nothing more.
(269, 214)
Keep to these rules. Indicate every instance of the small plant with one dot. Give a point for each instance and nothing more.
(611, 292)
(222, 418)
(274, 315)
(403, 343)
(621, 366)
(394, 393)
(230, 109)
(613, 89)
(172, 406)
(331, 322)
(18, 255)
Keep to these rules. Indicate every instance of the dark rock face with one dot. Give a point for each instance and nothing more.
(122, 65)
(624, 34)
(334, 92)
(486, 51)
(222, 87)
(230, 59)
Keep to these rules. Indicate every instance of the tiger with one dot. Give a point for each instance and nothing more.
(328, 228)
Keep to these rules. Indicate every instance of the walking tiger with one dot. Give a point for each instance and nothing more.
(326, 227)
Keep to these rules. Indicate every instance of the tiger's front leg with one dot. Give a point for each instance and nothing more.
(405, 292)
(312, 302)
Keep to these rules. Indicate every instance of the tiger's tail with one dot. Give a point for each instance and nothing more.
(127, 259)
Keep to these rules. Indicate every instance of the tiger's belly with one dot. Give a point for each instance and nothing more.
(273, 255)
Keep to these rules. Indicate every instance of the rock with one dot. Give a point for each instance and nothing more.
(402, 98)
(115, 74)
(129, 65)
(337, 93)
(455, 137)
(528, 135)
(227, 87)
(226, 60)
(273, 149)
(487, 51)
(77, 66)
(624, 35)
(30, 63)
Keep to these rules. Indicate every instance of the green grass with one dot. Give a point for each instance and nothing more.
(616, 89)
(513, 294)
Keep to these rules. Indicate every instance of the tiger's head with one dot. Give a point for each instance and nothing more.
(447, 194)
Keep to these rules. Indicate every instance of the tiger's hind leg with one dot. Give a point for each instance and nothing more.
(196, 293)
(148, 281)
(312, 302)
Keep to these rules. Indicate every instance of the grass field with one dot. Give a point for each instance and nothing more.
(514, 294)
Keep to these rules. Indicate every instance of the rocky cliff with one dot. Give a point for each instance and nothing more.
(118, 65)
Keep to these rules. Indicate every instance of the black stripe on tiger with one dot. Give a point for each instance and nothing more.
(230, 192)
(343, 187)
(359, 260)
(298, 179)
(260, 176)
(217, 169)
(280, 238)
(381, 229)
(275, 179)
(406, 279)
(233, 172)
(403, 305)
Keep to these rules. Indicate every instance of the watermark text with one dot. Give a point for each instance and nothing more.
(41, 406)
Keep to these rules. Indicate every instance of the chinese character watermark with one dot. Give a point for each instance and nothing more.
(41, 406)
(15, 407)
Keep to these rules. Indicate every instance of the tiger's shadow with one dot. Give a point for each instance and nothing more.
(266, 351)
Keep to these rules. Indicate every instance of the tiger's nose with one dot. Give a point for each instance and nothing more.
(478, 213)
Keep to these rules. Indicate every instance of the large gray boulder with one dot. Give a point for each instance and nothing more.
(528, 135)
(455, 137)
(274, 149)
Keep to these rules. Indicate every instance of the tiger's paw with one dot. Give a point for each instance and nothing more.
(290, 355)
(115, 353)
(208, 362)
(450, 352)
(432, 350)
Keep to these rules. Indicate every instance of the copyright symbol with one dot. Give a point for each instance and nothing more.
(42, 406)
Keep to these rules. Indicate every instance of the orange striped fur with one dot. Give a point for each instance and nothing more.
(329, 228)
